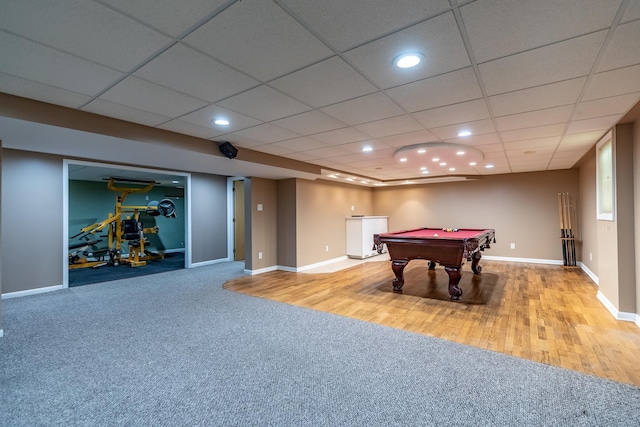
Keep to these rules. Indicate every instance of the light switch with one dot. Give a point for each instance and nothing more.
(259, 206)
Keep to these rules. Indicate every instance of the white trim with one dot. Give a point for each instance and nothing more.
(231, 230)
(210, 262)
(527, 260)
(32, 291)
(262, 270)
(618, 315)
(65, 223)
(589, 273)
(321, 263)
(1, 333)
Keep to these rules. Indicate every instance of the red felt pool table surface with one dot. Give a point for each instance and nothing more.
(462, 233)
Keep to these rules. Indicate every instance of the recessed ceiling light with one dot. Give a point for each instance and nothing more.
(422, 151)
(404, 159)
(464, 133)
(460, 153)
(408, 60)
(221, 122)
(472, 164)
(436, 159)
(425, 171)
(443, 163)
(489, 166)
(423, 168)
(367, 148)
(175, 182)
(452, 169)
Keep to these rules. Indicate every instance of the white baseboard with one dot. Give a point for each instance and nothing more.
(589, 273)
(261, 270)
(527, 260)
(618, 315)
(31, 292)
(296, 269)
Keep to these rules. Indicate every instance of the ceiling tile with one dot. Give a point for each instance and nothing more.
(104, 31)
(275, 45)
(272, 149)
(615, 82)
(451, 114)
(392, 126)
(542, 145)
(169, 16)
(499, 28)
(267, 133)
(33, 61)
(533, 133)
(623, 49)
(477, 128)
(345, 24)
(195, 74)
(606, 106)
(367, 108)
(632, 12)
(537, 98)
(264, 103)
(327, 82)
(475, 140)
(205, 116)
(408, 138)
(143, 95)
(341, 136)
(438, 39)
(447, 89)
(187, 128)
(588, 125)
(123, 112)
(301, 144)
(332, 153)
(379, 148)
(529, 119)
(30, 89)
(553, 63)
(309, 123)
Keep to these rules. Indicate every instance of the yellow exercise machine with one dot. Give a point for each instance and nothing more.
(122, 226)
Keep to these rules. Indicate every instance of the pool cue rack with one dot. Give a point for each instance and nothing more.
(568, 223)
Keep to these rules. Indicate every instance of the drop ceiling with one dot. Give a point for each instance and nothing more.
(536, 83)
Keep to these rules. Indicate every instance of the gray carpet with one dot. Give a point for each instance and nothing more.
(178, 350)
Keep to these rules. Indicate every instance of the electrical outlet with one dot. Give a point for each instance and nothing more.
(590, 256)
(353, 208)
(326, 248)
(513, 246)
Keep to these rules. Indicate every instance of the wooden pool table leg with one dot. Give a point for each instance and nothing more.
(455, 292)
(474, 263)
(398, 267)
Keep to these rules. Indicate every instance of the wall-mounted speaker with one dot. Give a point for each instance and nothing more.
(228, 150)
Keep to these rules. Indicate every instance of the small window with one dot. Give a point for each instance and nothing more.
(605, 176)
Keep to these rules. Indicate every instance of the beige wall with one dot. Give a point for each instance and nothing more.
(522, 208)
(587, 212)
(287, 247)
(264, 223)
(322, 209)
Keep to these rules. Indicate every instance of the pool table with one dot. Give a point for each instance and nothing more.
(447, 247)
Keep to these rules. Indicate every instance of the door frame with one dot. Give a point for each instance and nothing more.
(230, 215)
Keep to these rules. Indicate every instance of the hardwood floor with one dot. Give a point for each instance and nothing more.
(544, 313)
